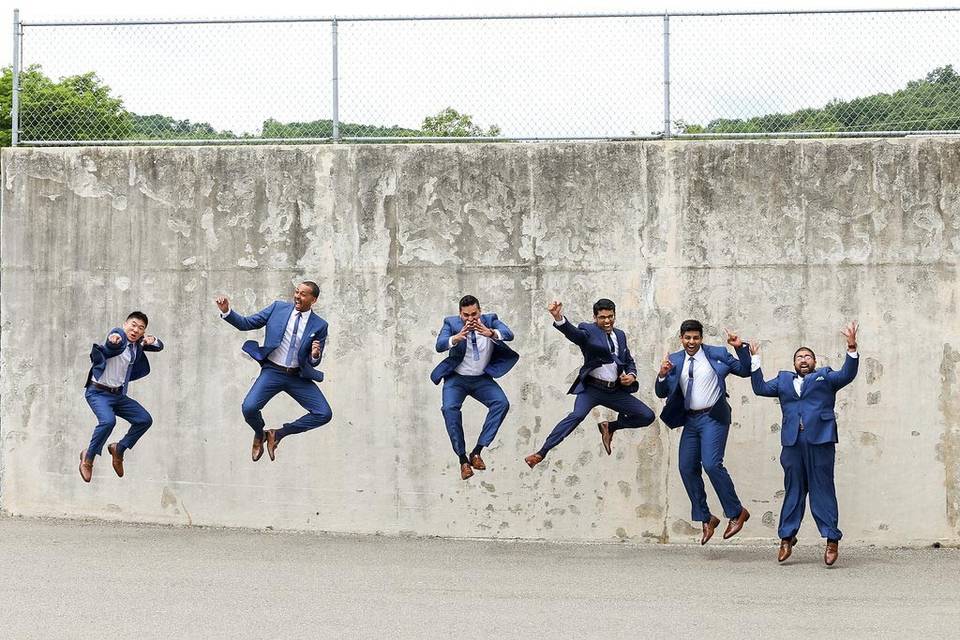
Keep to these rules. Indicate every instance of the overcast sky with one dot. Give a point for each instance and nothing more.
(596, 77)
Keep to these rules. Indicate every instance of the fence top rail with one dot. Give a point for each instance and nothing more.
(544, 16)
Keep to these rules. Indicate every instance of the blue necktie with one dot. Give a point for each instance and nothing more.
(133, 356)
(473, 343)
(688, 398)
(293, 341)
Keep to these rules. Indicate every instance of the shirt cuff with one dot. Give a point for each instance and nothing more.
(755, 362)
(559, 322)
(853, 354)
(498, 335)
(450, 343)
(225, 314)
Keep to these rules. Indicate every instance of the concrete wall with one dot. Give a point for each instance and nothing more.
(783, 241)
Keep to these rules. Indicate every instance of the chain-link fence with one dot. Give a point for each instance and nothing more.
(517, 78)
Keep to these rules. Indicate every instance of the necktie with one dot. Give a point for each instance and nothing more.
(688, 398)
(473, 343)
(133, 356)
(610, 342)
(293, 341)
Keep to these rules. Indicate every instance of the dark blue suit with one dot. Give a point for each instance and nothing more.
(271, 381)
(595, 348)
(107, 406)
(808, 436)
(704, 438)
(483, 388)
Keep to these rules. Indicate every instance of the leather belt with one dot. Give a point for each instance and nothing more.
(606, 385)
(696, 412)
(103, 387)
(290, 371)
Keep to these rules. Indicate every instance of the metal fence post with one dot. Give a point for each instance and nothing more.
(336, 85)
(666, 75)
(15, 93)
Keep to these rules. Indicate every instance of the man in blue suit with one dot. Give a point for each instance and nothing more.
(607, 378)
(115, 363)
(477, 355)
(292, 347)
(693, 381)
(808, 437)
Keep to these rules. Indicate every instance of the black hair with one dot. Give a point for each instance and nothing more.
(139, 315)
(314, 288)
(804, 349)
(691, 325)
(603, 304)
(468, 301)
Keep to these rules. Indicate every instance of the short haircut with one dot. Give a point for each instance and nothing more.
(804, 349)
(468, 301)
(691, 325)
(139, 315)
(314, 288)
(603, 304)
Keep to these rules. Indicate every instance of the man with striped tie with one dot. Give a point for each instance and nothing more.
(477, 353)
(693, 381)
(118, 361)
(292, 348)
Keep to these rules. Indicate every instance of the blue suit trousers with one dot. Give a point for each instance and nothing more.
(108, 407)
(487, 392)
(631, 413)
(808, 469)
(272, 381)
(702, 445)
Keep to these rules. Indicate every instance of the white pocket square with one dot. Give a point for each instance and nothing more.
(819, 378)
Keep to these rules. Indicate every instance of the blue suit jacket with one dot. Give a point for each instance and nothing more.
(100, 353)
(501, 360)
(674, 415)
(275, 318)
(593, 344)
(814, 405)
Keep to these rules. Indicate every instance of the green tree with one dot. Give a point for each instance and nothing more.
(453, 124)
(76, 107)
(929, 104)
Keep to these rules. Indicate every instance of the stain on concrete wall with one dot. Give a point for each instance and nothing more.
(782, 241)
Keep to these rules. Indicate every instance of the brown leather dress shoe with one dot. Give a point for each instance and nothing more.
(477, 462)
(606, 436)
(709, 528)
(831, 553)
(466, 471)
(735, 524)
(786, 548)
(271, 437)
(256, 451)
(533, 460)
(86, 466)
(117, 459)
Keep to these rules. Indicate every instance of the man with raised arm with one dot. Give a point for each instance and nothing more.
(808, 437)
(292, 347)
(607, 378)
(693, 380)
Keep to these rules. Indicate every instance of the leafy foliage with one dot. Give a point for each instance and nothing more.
(929, 104)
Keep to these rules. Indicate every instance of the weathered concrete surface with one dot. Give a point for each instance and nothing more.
(143, 581)
(781, 240)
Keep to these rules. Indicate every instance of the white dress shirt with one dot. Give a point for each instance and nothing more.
(797, 380)
(706, 386)
(279, 355)
(115, 371)
(469, 366)
(606, 372)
